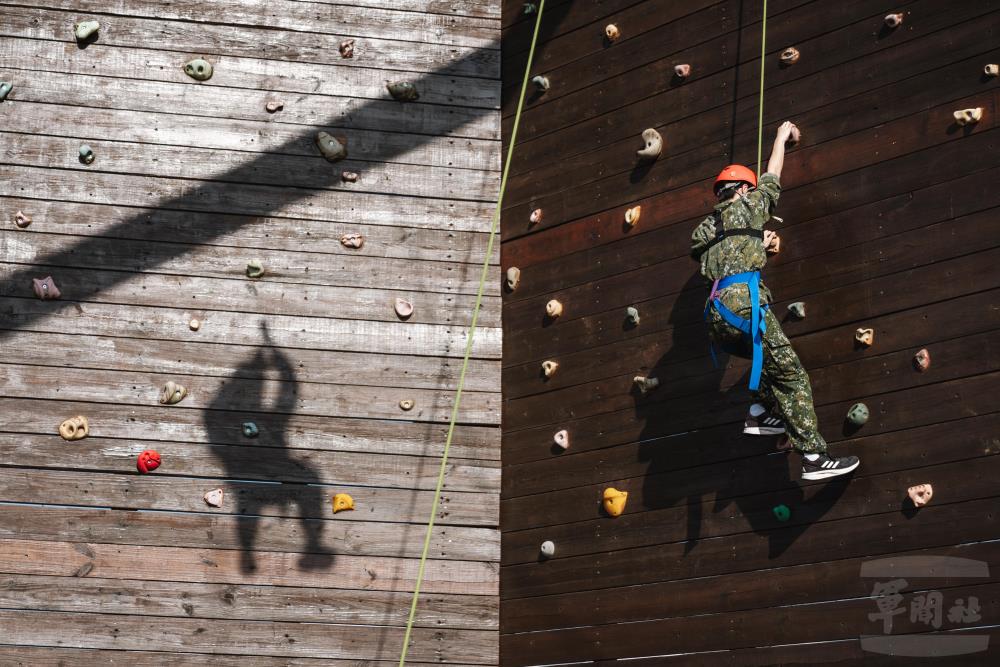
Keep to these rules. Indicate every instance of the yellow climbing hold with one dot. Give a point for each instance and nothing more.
(614, 501)
(341, 502)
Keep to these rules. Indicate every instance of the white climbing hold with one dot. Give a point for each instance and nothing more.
(404, 308)
(632, 215)
(612, 33)
(85, 29)
(561, 439)
(790, 56)
(194, 324)
(541, 82)
(992, 70)
(406, 404)
(214, 497)
(654, 144)
(553, 309)
(548, 549)
(682, 71)
(513, 278)
(274, 106)
(536, 216)
(968, 116)
(894, 20)
(645, 384)
(549, 368)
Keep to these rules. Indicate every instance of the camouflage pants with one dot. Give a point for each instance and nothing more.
(784, 383)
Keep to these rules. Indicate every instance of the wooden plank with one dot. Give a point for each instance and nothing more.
(45, 656)
(178, 494)
(224, 566)
(477, 8)
(188, 41)
(21, 415)
(319, 640)
(223, 531)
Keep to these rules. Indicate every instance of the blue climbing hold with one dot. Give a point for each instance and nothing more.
(250, 429)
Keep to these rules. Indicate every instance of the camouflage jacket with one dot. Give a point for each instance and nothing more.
(737, 254)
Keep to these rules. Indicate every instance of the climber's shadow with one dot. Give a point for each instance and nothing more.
(268, 458)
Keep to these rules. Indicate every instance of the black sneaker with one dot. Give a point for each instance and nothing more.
(824, 466)
(765, 423)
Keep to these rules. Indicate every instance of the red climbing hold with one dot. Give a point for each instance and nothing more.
(148, 461)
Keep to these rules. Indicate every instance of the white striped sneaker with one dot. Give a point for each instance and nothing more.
(824, 466)
(763, 424)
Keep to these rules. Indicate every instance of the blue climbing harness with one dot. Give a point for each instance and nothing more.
(753, 328)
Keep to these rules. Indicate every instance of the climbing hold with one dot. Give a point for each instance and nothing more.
(798, 309)
(529, 8)
(790, 56)
(74, 428)
(194, 324)
(553, 309)
(614, 501)
(5, 88)
(632, 215)
(349, 176)
(148, 461)
(255, 268)
(989, 70)
(781, 512)
(541, 82)
(274, 106)
(894, 20)
(968, 116)
(632, 316)
(342, 502)
(922, 360)
(536, 216)
(402, 91)
(172, 393)
(332, 148)
(406, 404)
(865, 336)
(549, 368)
(86, 154)
(612, 32)
(513, 278)
(347, 48)
(22, 219)
(548, 549)
(199, 69)
(654, 144)
(214, 497)
(352, 240)
(404, 308)
(772, 243)
(45, 288)
(920, 494)
(250, 430)
(858, 414)
(645, 384)
(85, 29)
(561, 438)
(682, 71)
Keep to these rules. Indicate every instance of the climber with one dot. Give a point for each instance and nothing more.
(731, 246)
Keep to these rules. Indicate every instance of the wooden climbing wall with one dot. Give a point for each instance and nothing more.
(890, 222)
(191, 181)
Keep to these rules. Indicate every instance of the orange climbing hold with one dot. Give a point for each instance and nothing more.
(148, 461)
(342, 502)
(614, 501)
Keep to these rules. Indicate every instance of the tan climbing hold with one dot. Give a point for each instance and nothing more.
(332, 148)
(536, 216)
(632, 215)
(772, 242)
(342, 502)
(349, 176)
(653, 145)
(172, 393)
(274, 106)
(920, 494)
(561, 438)
(194, 324)
(347, 48)
(404, 308)
(790, 56)
(214, 497)
(682, 71)
(992, 70)
(45, 288)
(612, 32)
(968, 116)
(22, 219)
(406, 404)
(865, 336)
(645, 384)
(549, 368)
(352, 240)
(553, 309)
(922, 360)
(74, 428)
(894, 20)
(614, 501)
(513, 278)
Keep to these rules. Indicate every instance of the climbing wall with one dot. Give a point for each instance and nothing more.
(310, 313)
(890, 222)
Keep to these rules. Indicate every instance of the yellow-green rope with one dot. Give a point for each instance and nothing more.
(468, 344)
(760, 115)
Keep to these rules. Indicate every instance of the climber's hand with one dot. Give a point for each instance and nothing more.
(788, 132)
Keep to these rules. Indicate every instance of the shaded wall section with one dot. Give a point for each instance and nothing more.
(191, 181)
(890, 222)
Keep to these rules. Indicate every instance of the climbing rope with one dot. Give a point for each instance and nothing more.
(760, 113)
(468, 344)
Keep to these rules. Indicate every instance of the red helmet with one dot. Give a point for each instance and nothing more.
(736, 172)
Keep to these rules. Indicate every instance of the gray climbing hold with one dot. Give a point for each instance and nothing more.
(654, 145)
(5, 88)
(331, 147)
(199, 69)
(541, 82)
(86, 154)
(548, 549)
(255, 268)
(250, 430)
(798, 309)
(858, 414)
(85, 29)
(402, 91)
(22, 219)
(632, 315)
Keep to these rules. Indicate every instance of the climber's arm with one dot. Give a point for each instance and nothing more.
(786, 131)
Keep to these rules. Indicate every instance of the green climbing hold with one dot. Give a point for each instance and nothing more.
(255, 268)
(781, 512)
(199, 69)
(798, 309)
(858, 414)
(85, 29)
(403, 91)
(331, 148)
(250, 429)
(5, 88)
(86, 154)
(529, 8)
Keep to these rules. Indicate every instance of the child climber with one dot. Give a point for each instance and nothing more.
(731, 246)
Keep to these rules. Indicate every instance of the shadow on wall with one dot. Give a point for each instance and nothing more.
(733, 474)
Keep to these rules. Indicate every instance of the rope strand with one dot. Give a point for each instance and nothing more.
(760, 115)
